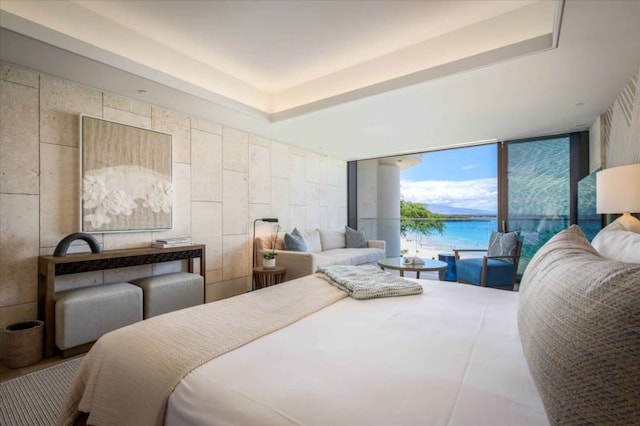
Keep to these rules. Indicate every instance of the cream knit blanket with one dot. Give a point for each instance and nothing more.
(129, 374)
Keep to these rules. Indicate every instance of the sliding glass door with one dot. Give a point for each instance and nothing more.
(538, 191)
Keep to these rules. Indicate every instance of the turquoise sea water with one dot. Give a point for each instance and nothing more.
(459, 234)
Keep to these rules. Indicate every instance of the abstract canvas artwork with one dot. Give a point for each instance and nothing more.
(125, 177)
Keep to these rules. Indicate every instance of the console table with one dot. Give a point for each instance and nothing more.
(51, 266)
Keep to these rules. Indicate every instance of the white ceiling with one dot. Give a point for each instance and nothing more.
(350, 79)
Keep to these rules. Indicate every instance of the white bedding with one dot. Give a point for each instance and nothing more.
(450, 356)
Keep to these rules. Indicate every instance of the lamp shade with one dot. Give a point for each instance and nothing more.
(618, 189)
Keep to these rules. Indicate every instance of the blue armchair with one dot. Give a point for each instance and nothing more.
(498, 268)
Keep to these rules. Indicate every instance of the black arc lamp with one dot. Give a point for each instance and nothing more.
(253, 240)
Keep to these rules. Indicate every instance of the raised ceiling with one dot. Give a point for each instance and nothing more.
(351, 79)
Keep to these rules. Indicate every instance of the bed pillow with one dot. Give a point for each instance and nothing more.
(355, 239)
(617, 243)
(332, 239)
(294, 241)
(503, 244)
(312, 240)
(579, 326)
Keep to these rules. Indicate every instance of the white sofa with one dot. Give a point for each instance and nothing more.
(325, 247)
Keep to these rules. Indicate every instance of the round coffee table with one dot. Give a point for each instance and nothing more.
(397, 264)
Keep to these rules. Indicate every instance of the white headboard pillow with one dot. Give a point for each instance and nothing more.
(617, 243)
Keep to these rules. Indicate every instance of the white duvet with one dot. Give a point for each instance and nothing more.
(450, 356)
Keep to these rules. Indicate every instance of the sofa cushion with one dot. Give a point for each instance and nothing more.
(617, 243)
(355, 239)
(312, 240)
(332, 239)
(294, 241)
(579, 326)
(266, 241)
(347, 256)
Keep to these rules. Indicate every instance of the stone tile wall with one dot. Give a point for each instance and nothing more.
(223, 179)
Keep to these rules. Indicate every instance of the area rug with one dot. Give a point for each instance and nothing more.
(36, 398)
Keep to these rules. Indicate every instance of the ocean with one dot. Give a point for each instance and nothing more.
(468, 234)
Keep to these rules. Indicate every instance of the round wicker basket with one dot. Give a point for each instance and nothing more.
(23, 343)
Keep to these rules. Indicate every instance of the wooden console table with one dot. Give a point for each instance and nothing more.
(50, 266)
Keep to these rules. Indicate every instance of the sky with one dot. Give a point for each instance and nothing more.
(463, 177)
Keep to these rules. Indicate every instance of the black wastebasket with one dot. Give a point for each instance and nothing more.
(23, 343)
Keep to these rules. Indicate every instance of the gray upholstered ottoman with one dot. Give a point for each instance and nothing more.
(85, 314)
(170, 292)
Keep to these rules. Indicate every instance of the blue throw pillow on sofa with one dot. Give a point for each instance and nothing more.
(355, 239)
(294, 241)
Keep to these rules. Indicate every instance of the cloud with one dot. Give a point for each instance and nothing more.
(469, 167)
(471, 194)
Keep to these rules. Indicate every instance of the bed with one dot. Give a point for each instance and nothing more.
(451, 355)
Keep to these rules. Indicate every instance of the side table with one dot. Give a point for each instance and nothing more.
(448, 274)
(263, 277)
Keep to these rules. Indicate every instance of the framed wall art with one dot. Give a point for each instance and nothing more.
(125, 177)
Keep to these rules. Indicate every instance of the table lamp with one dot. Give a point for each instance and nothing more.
(618, 191)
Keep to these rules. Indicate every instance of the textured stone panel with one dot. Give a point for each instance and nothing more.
(19, 75)
(19, 144)
(280, 201)
(324, 194)
(59, 193)
(206, 166)
(297, 180)
(313, 167)
(298, 217)
(180, 128)
(260, 141)
(181, 203)
(18, 248)
(127, 240)
(127, 274)
(279, 160)
(225, 289)
(206, 126)
(235, 150)
(258, 211)
(169, 267)
(85, 279)
(126, 117)
(235, 263)
(235, 205)
(16, 313)
(61, 103)
(324, 218)
(337, 170)
(323, 174)
(206, 221)
(259, 174)
(122, 103)
(313, 206)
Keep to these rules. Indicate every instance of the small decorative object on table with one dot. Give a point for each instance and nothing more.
(269, 257)
(63, 245)
(171, 242)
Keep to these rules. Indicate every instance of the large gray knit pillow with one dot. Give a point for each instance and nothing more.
(579, 322)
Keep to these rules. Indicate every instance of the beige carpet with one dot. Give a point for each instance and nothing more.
(36, 398)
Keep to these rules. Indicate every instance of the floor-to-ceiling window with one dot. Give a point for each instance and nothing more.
(537, 191)
(536, 186)
(459, 185)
